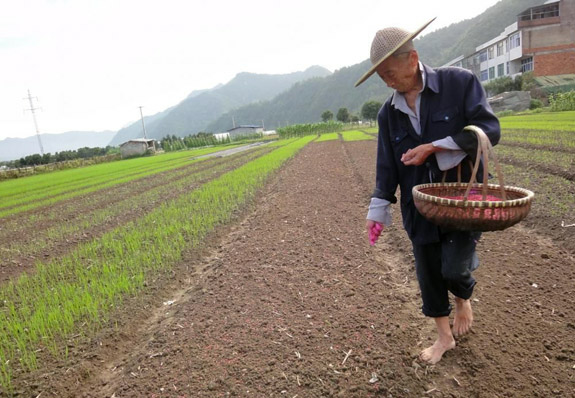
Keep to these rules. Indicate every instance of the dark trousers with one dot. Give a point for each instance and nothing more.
(444, 267)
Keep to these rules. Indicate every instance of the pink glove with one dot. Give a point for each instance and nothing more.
(374, 233)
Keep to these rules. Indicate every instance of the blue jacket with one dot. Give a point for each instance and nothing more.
(452, 99)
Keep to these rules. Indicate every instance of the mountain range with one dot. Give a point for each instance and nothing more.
(301, 97)
(15, 148)
(193, 114)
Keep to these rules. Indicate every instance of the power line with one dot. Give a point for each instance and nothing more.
(143, 125)
(32, 109)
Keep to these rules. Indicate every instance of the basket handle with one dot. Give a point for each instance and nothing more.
(484, 148)
(444, 178)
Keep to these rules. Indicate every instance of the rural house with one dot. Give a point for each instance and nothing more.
(137, 147)
(542, 40)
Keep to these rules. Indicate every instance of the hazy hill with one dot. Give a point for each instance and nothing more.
(306, 101)
(15, 148)
(135, 130)
(193, 114)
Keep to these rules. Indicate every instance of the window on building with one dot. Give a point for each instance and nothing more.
(500, 49)
(500, 70)
(483, 56)
(484, 76)
(544, 11)
(514, 40)
(492, 72)
(490, 53)
(527, 64)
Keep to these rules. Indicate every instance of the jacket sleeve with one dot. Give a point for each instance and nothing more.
(386, 179)
(479, 113)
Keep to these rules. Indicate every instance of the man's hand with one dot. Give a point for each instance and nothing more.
(374, 230)
(417, 155)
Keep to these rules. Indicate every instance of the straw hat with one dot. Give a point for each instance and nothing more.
(386, 42)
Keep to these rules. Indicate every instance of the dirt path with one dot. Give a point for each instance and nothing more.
(294, 303)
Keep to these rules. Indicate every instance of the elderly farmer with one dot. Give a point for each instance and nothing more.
(420, 137)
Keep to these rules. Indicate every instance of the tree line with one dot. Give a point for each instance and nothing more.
(62, 156)
(369, 111)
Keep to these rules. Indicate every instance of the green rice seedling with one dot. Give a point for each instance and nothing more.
(547, 159)
(356, 135)
(560, 139)
(328, 137)
(84, 286)
(32, 192)
(370, 130)
(550, 121)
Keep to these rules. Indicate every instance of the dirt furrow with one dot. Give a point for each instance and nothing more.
(293, 302)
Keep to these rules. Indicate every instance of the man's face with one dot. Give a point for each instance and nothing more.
(400, 72)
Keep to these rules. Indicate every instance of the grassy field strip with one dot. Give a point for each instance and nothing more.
(88, 218)
(545, 158)
(72, 209)
(39, 310)
(551, 121)
(68, 180)
(550, 199)
(555, 138)
(71, 176)
(356, 135)
(370, 130)
(26, 200)
(328, 137)
(285, 142)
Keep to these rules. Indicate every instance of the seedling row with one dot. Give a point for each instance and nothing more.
(85, 285)
(87, 217)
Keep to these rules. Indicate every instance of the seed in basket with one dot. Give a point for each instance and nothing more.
(488, 198)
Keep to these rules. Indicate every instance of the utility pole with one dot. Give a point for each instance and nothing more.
(233, 122)
(143, 125)
(32, 109)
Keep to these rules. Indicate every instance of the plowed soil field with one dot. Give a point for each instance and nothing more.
(291, 301)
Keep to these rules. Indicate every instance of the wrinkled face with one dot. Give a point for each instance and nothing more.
(400, 72)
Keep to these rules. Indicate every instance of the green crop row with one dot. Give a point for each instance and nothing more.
(36, 191)
(556, 138)
(328, 137)
(553, 195)
(88, 216)
(355, 135)
(84, 286)
(371, 130)
(564, 161)
(552, 121)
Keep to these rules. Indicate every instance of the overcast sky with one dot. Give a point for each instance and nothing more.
(92, 63)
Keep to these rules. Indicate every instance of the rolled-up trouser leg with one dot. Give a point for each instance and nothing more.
(446, 266)
(458, 260)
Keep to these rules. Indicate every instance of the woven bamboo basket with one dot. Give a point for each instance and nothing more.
(448, 204)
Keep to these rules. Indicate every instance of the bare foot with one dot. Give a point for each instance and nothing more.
(433, 354)
(463, 317)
